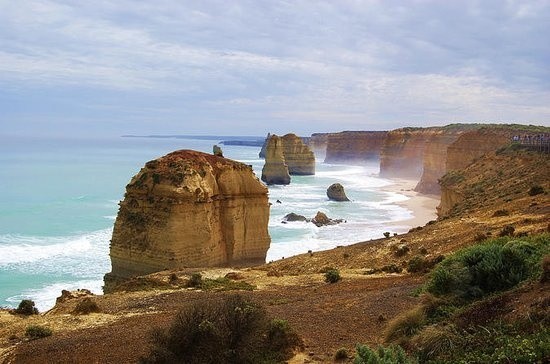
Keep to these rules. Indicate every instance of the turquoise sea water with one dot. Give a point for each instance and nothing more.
(58, 202)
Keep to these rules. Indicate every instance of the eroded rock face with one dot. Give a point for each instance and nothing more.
(354, 146)
(403, 152)
(264, 146)
(275, 170)
(435, 157)
(189, 209)
(336, 192)
(299, 158)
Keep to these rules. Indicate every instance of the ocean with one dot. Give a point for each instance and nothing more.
(59, 199)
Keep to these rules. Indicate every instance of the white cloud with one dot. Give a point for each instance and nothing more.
(354, 62)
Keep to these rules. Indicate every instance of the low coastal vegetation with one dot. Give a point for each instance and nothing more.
(461, 319)
(234, 330)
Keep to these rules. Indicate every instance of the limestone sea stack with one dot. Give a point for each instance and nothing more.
(275, 170)
(299, 158)
(336, 192)
(189, 209)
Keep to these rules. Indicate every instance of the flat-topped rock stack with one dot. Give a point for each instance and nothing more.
(189, 209)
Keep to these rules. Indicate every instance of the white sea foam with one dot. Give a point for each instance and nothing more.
(44, 297)
(18, 249)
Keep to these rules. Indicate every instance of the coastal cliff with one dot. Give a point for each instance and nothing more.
(275, 170)
(403, 152)
(189, 209)
(299, 158)
(354, 146)
(434, 161)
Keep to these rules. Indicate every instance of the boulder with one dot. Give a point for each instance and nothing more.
(275, 170)
(216, 150)
(189, 209)
(321, 219)
(336, 192)
(294, 217)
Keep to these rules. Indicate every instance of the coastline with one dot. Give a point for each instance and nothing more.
(422, 207)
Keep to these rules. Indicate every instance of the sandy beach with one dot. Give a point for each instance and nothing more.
(423, 207)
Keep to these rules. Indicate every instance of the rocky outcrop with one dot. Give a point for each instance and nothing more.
(321, 219)
(336, 192)
(275, 170)
(299, 158)
(354, 146)
(216, 150)
(264, 146)
(189, 209)
(403, 152)
(294, 217)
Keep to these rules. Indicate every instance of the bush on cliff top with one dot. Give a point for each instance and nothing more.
(493, 266)
(220, 330)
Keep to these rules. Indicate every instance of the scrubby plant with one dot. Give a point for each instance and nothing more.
(536, 190)
(404, 326)
(508, 230)
(34, 332)
(230, 330)
(86, 306)
(195, 280)
(332, 276)
(435, 340)
(341, 354)
(26, 307)
(416, 264)
(383, 355)
(387, 234)
(482, 269)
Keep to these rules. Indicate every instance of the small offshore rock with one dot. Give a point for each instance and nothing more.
(336, 192)
(294, 217)
(321, 219)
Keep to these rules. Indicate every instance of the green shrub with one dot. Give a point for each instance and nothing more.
(26, 307)
(34, 332)
(387, 234)
(217, 330)
(486, 268)
(389, 355)
(332, 276)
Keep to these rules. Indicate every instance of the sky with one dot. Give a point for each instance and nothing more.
(248, 67)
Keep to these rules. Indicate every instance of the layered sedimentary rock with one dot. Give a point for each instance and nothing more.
(335, 192)
(473, 144)
(189, 209)
(434, 164)
(275, 170)
(299, 158)
(264, 146)
(403, 152)
(354, 146)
